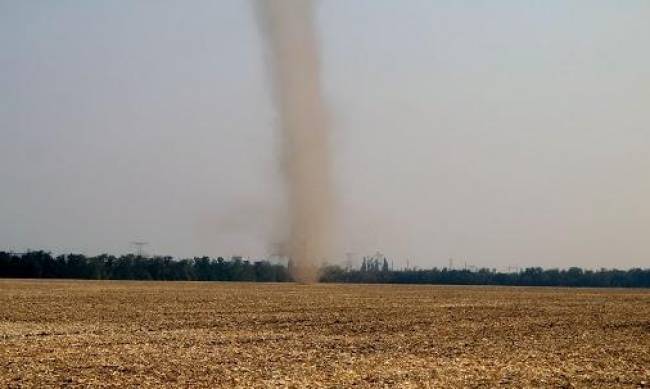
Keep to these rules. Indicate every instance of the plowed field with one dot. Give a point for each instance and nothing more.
(56, 333)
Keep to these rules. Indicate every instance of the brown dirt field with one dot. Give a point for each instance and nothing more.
(55, 333)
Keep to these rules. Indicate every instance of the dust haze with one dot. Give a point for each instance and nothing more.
(496, 134)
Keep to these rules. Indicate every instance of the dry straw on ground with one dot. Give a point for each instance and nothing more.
(260, 335)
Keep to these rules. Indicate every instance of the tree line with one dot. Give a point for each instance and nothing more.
(41, 264)
(533, 276)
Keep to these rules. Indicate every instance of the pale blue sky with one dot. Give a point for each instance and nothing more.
(497, 133)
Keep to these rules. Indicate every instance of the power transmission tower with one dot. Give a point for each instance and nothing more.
(139, 247)
(349, 259)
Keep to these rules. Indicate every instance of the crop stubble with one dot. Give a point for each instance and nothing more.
(240, 334)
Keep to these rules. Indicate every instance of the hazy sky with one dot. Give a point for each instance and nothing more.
(494, 132)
